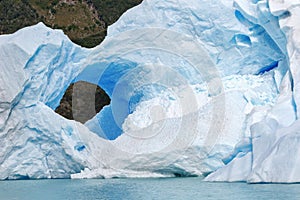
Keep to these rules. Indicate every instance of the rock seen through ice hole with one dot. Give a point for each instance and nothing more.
(82, 101)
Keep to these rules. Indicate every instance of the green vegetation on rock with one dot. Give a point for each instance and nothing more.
(84, 21)
(16, 14)
(110, 10)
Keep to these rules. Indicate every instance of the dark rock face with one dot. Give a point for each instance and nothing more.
(84, 21)
(82, 101)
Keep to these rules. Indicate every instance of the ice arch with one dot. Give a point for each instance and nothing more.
(132, 70)
(106, 75)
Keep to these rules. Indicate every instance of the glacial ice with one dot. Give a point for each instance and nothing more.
(198, 88)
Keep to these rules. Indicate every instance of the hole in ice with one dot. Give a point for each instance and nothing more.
(284, 15)
(79, 147)
(108, 122)
(267, 68)
(242, 40)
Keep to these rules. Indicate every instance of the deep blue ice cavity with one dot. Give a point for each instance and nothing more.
(108, 122)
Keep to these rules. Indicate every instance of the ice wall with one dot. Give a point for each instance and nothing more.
(32, 82)
(196, 88)
(273, 156)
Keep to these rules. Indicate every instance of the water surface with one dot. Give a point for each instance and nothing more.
(168, 188)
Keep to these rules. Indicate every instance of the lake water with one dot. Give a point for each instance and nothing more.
(169, 188)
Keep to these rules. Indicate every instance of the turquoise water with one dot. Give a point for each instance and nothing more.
(176, 188)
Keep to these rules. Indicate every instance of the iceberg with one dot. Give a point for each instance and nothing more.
(198, 88)
(274, 156)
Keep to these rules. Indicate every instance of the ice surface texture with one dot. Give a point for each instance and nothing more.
(196, 88)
